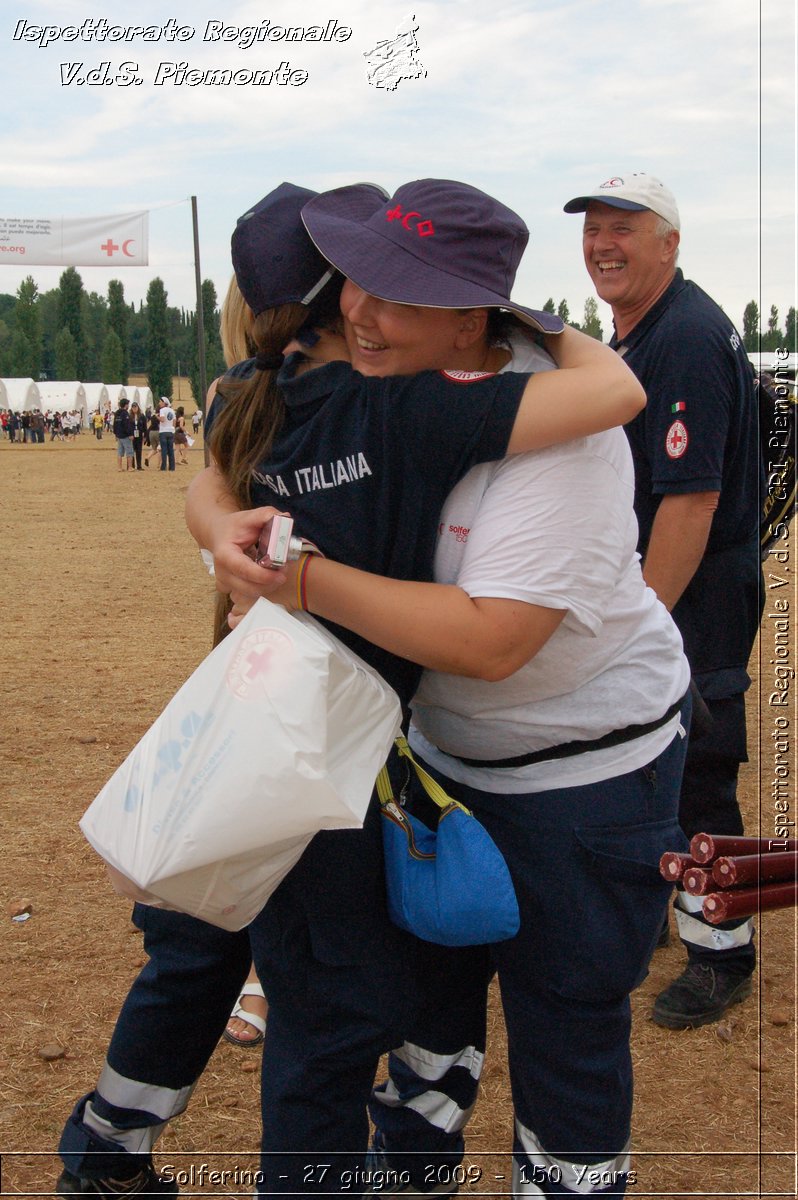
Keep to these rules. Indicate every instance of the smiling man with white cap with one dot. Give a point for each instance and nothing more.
(697, 488)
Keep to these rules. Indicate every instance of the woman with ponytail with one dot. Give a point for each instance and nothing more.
(364, 465)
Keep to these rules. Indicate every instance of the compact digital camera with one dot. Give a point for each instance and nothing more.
(277, 544)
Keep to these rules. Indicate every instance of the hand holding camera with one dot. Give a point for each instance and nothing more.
(277, 544)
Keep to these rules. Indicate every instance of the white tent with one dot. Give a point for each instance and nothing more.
(20, 395)
(97, 396)
(785, 364)
(145, 398)
(117, 392)
(65, 397)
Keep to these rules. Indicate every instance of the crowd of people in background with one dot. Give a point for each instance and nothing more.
(36, 427)
(162, 429)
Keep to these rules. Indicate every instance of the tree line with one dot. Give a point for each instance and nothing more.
(755, 338)
(68, 333)
(590, 320)
(71, 334)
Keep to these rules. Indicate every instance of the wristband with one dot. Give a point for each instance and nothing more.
(301, 582)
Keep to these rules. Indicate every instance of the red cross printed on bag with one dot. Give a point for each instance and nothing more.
(259, 662)
(256, 663)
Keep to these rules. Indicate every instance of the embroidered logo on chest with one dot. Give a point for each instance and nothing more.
(467, 376)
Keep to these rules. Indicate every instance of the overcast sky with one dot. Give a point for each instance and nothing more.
(533, 100)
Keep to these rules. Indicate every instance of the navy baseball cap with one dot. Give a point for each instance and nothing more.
(436, 243)
(274, 260)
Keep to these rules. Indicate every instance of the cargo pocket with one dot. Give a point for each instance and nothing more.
(616, 908)
(361, 977)
(344, 940)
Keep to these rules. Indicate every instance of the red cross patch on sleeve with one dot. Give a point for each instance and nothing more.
(676, 440)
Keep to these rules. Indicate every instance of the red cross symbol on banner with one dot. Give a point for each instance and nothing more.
(676, 440)
(109, 247)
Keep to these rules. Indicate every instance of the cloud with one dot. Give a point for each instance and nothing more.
(530, 102)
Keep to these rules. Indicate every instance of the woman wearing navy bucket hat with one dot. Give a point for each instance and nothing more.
(568, 743)
(337, 971)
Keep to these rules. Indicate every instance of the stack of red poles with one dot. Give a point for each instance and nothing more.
(737, 876)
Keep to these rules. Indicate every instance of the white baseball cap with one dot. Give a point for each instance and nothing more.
(636, 191)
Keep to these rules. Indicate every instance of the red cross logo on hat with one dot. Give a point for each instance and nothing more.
(676, 440)
(423, 228)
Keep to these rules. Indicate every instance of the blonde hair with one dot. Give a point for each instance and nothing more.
(235, 326)
(235, 329)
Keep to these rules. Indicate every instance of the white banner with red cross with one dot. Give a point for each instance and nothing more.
(110, 241)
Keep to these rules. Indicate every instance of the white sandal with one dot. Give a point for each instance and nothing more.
(259, 1023)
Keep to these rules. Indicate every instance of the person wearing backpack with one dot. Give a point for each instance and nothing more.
(123, 432)
(698, 484)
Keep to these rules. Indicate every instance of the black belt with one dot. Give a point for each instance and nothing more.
(567, 749)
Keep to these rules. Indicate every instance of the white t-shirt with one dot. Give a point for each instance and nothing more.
(166, 418)
(554, 527)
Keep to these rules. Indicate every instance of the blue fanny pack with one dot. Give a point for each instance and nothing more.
(449, 885)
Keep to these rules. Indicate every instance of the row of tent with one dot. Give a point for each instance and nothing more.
(24, 395)
(770, 361)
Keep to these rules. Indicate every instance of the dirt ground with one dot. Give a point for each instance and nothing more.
(107, 609)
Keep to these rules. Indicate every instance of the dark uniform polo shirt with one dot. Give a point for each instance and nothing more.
(698, 433)
(363, 465)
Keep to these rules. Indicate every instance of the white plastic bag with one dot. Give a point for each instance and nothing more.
(278, 734)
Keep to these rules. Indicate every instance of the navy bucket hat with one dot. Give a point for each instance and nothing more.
(436, 243)
(274, 260)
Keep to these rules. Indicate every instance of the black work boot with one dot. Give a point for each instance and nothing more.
(146, 1182)
(699, 996)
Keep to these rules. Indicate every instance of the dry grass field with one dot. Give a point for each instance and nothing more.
(106, 610)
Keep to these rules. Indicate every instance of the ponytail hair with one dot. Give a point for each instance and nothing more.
(253, 412)
(252, 415)
(253, 409)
